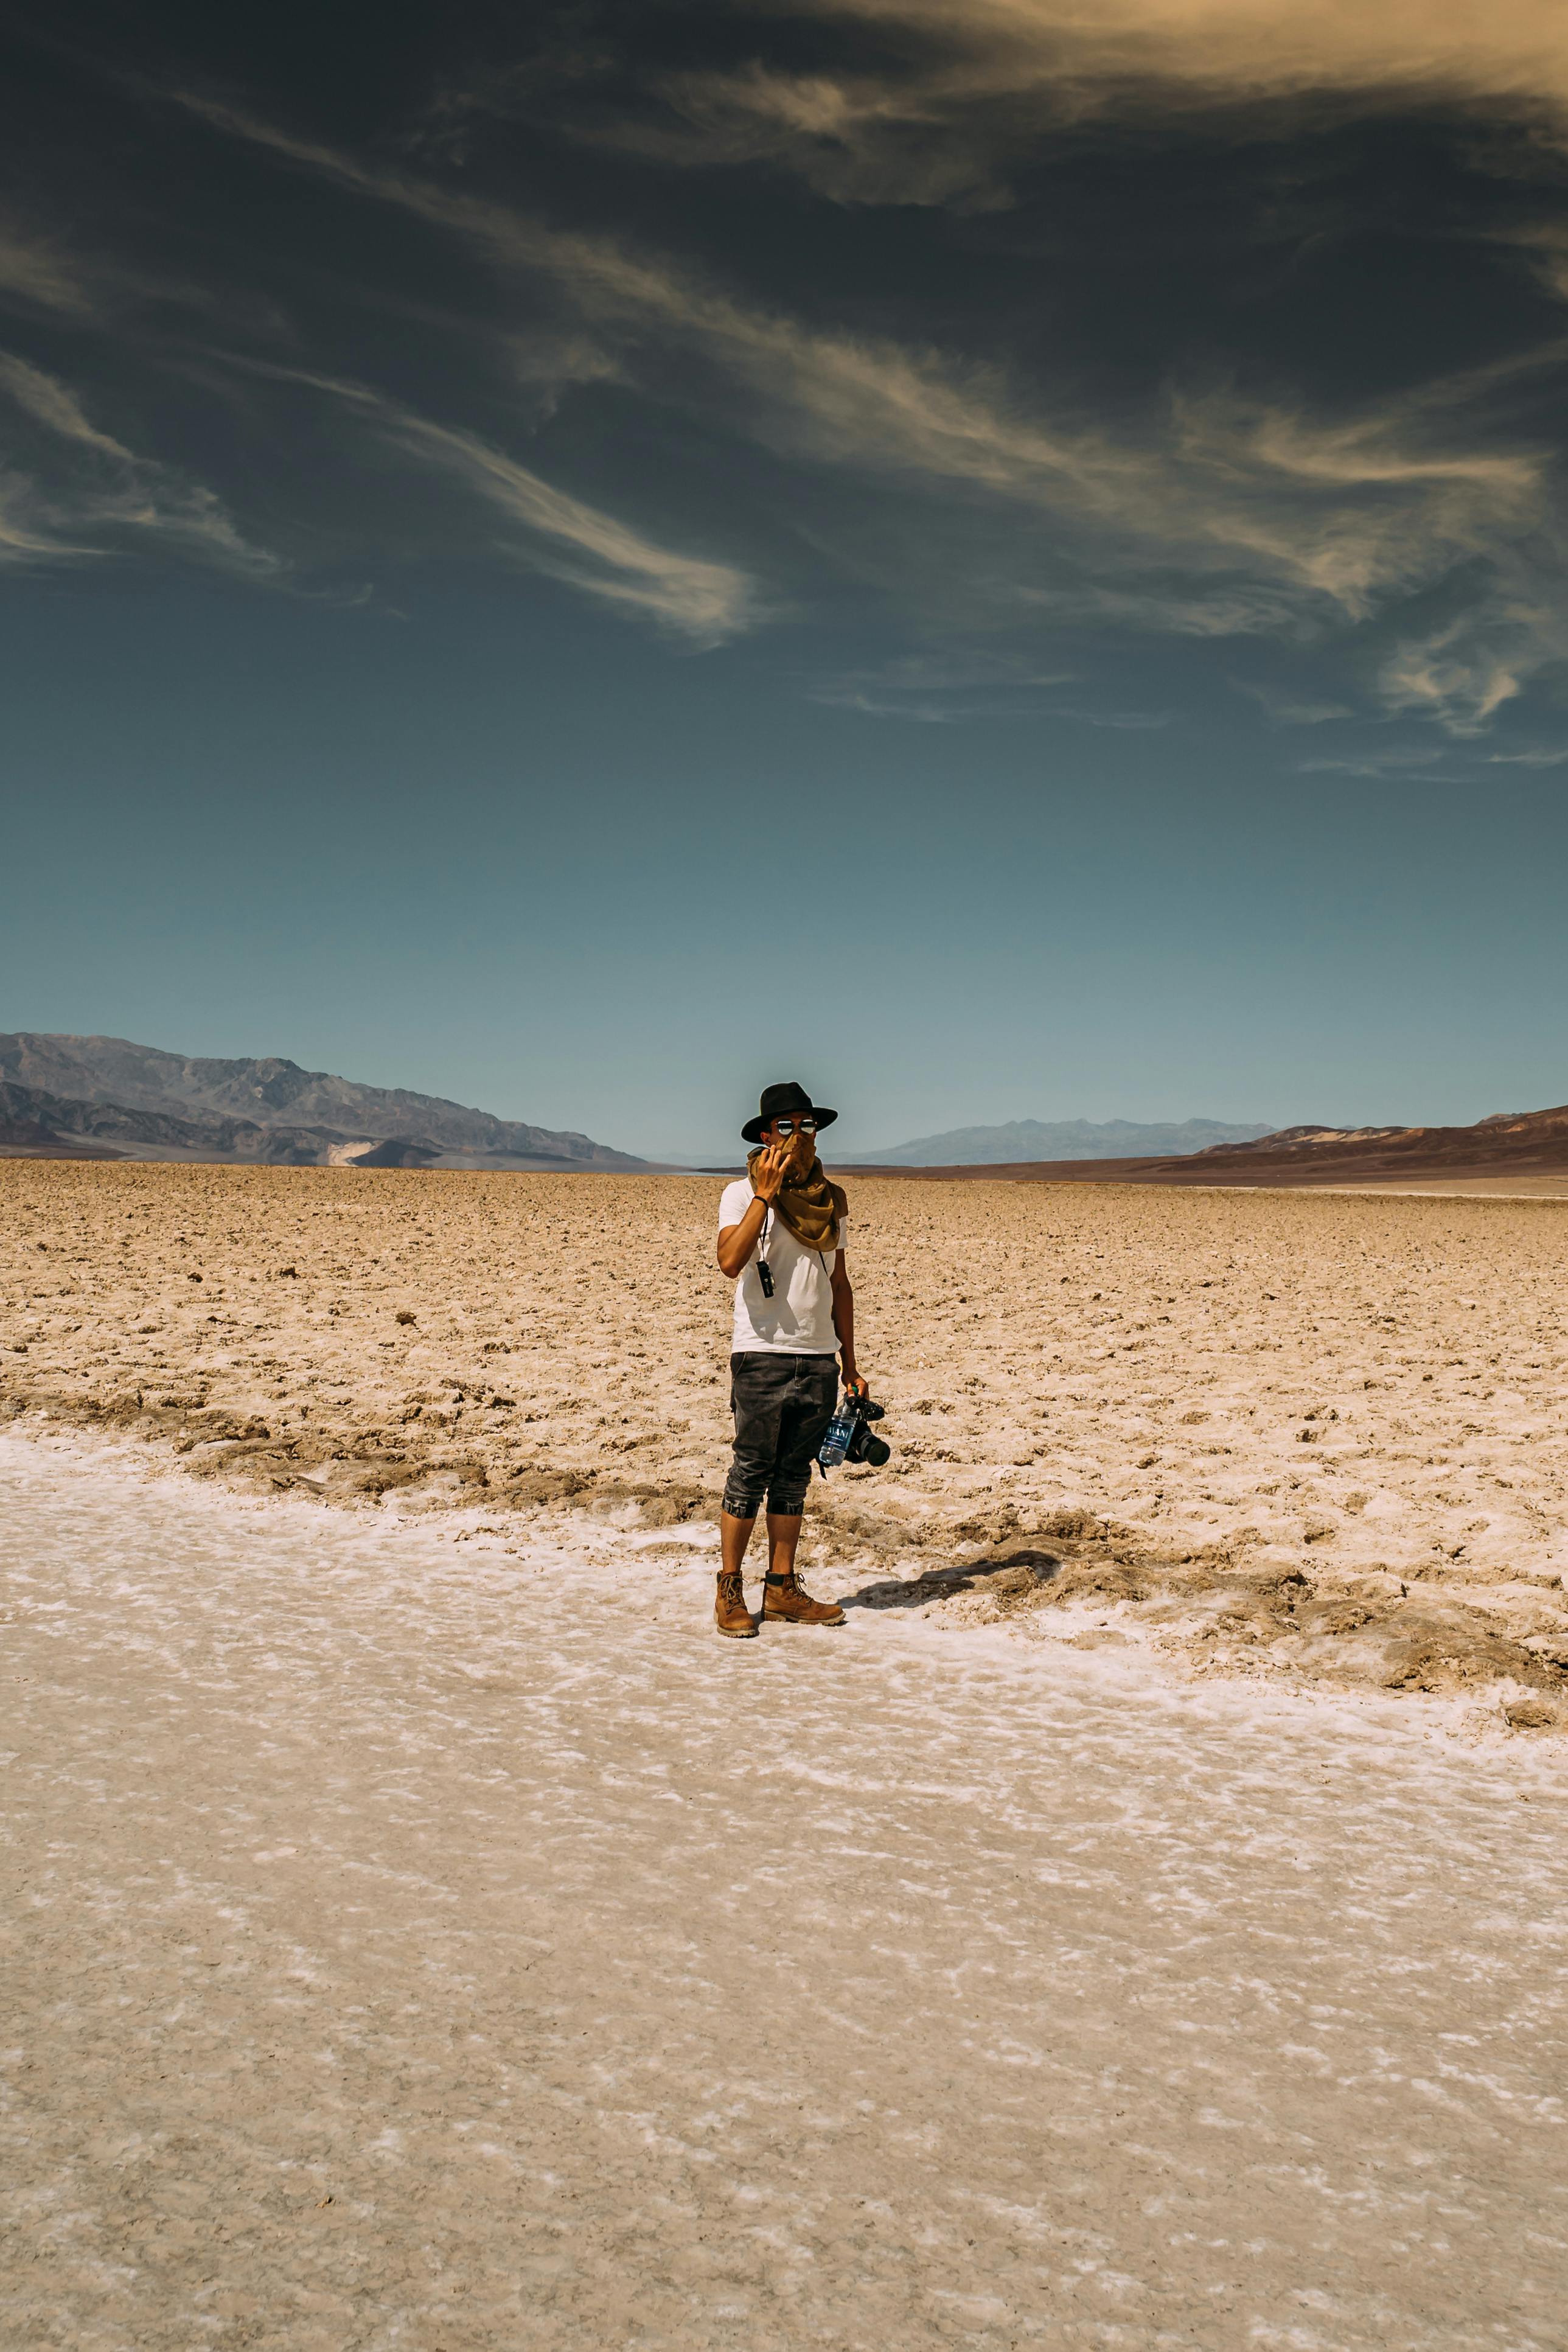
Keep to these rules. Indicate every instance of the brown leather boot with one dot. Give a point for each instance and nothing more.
(730, 1614)
(786, 1601)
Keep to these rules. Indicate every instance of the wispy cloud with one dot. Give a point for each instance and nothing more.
(940, 688)
(83, 287)
(1466, 49)
(55, 405)
(1214, 514)
(946, 100)
(1413, 762)
(1462, 673)
(701, 600)
(947, 688)
(1546, 243)
(35, 270)
(1291, 709)
(70, 490)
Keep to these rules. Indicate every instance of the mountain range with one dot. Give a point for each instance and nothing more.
(1065, 1139)
(1514, 1144)
(1507, 1142)
(104, 1098)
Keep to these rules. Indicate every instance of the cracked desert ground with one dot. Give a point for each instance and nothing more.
(1141, 1927)
(1312, 1435)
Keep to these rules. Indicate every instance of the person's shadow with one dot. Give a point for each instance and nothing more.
(1014, 1576)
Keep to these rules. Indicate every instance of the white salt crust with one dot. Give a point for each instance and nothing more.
(421, 1937)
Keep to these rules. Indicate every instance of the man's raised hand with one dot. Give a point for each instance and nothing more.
(768, 1176)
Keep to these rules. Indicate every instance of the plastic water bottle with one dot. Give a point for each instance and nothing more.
(841, 1429)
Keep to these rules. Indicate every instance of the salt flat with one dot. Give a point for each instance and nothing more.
(418, 1938)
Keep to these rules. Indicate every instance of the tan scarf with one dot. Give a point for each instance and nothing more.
(808, 1205)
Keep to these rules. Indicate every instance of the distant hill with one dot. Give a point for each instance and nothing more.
(1521, 1142)
(141, 1103)
(36, 1123)
(1065, 1139)
(1532, 1143)
(33, 1121)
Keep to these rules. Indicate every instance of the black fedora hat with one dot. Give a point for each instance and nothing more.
(777, 1102)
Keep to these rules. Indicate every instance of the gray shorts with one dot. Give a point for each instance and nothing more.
(782, 1405)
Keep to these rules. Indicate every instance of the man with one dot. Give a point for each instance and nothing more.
(781, 1230)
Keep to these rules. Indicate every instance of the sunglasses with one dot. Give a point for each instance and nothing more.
(789, 1126)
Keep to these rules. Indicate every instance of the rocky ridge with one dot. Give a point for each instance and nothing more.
(1518, 1144)
(1524, 1142)
(139, 1102)
(1021, 1139)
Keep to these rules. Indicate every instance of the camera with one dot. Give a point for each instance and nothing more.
(849, 1438)
(862, 1446)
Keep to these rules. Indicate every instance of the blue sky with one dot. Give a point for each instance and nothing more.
(1005, 566)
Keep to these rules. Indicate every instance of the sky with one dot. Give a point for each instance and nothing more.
(1004, 561)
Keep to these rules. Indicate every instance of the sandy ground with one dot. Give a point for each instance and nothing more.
(1314, 1436)
(416, 1940)
(1476, 1188)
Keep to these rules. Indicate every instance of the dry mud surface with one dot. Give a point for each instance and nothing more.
(1314, 1436)
(409, 1946)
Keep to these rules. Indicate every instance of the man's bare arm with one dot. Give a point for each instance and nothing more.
(844, 1323)
(736, 1243)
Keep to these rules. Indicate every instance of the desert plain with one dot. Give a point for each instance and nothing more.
(1307, 1435)
(1140, 1927)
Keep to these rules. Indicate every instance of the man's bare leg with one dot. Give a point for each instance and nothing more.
(730, 1612)
(734, 1535)
(784, 1598)
(783, 1542)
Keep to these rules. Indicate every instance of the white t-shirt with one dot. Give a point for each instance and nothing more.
(798, 1320)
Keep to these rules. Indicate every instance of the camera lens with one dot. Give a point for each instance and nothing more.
(877, 1452)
